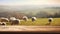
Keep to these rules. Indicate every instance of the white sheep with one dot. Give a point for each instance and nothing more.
(2, 19)
(14, 21)
(34, 19)
(18, 20)
(2, 23)
(50, 20)
(12, 18)
(25, 18)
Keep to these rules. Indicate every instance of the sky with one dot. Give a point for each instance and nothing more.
(29, 2)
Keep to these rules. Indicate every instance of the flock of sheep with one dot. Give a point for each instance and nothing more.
(15, 21)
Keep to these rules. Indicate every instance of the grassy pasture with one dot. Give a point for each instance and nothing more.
(40, 22)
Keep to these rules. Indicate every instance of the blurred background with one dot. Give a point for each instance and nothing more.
(38, 8)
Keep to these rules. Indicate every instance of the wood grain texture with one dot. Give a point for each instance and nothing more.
(30, 29)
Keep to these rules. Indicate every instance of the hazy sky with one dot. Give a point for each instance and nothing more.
(29, 2)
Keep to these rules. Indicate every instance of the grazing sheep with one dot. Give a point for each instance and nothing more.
(4, 19)
(25, 18)
(12, 18)
(18, 20)
(33, 19)
(50, 20)
(14, 21)
(2, 23)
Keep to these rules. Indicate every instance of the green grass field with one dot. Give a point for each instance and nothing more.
(41, 22)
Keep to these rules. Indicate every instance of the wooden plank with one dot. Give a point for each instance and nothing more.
(29, 28)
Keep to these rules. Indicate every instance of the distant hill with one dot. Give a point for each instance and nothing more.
(38, 11)
(11, 14)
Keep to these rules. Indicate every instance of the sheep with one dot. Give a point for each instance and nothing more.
(4, 19)
(50, 20)
(33, 19)
(18, 20)
(25, 18)
(12, 18)
(2, 23)
(14, 21)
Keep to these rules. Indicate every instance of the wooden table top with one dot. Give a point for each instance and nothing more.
(29, 28)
